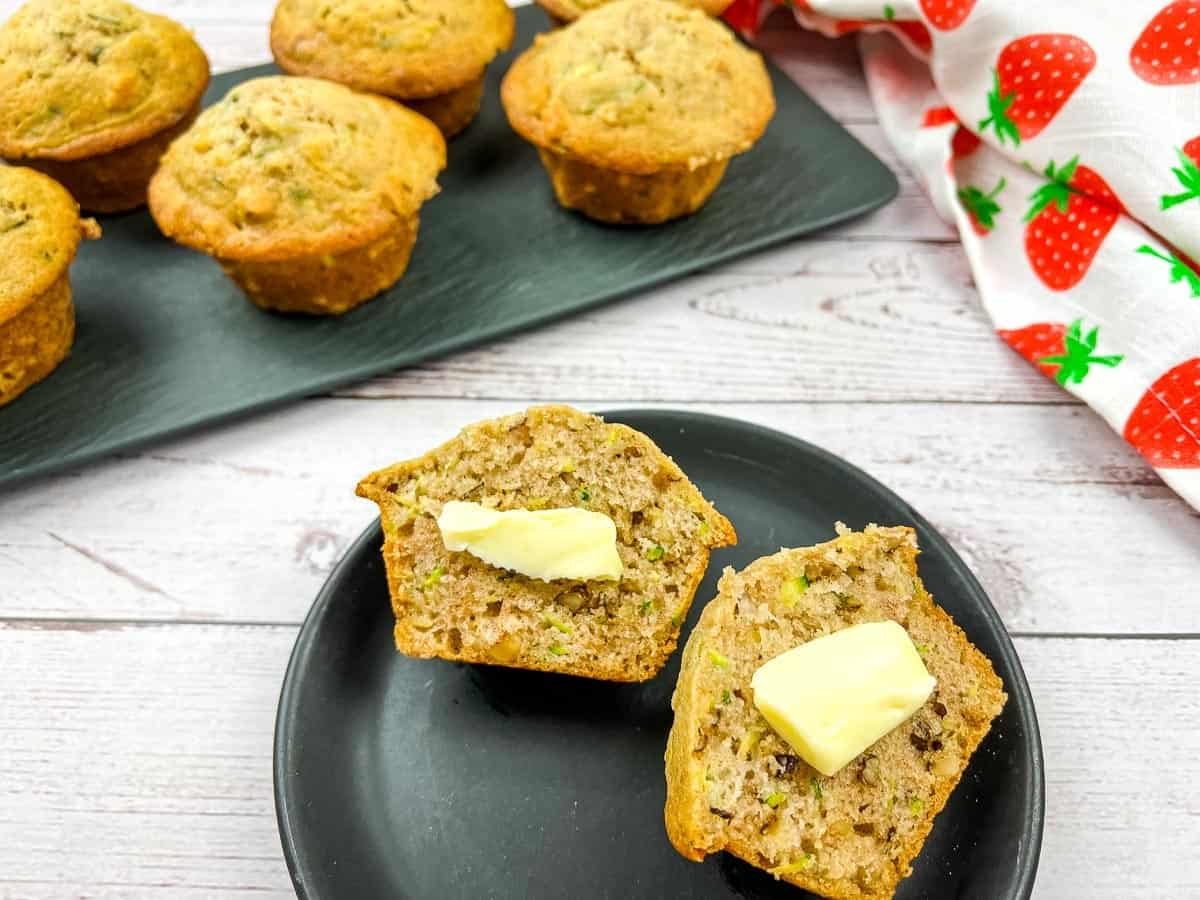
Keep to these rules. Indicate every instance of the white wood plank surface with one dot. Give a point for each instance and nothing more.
(148, 604)
(137, 762)
(243, 523)
(818, 320)
(146, 752)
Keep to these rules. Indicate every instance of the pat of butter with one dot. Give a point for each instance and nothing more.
(835, 696)
(545, 543)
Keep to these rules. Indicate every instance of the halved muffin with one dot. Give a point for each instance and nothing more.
(92, 92)
(305, 191)
(428, 54)
(453, 605)
(637, 108)
(734, 784)
(40, 231)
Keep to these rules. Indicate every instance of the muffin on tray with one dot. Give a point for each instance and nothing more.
(637, 107)
(599, 589)
(305, 191)
(92, 92)
(40, 230)
(428, 54)
(563, 12)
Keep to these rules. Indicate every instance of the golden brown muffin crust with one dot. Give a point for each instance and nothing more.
(638, 86)
(40, 231)
(402, 48)
(286, 167)
(734, 784)
(116, 181)
(569, 10)
(36, 340)
(83, 77)
(623, 199)
(452, 112)
(327, 284)
(455, 606)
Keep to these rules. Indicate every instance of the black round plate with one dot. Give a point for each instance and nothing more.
(407, 778)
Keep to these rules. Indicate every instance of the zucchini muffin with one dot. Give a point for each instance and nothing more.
(428, 54)
(92, 92)
(306, 192)
(562, 12)
(734, 784)
(455, 606)
(40, 230)
(637, 107)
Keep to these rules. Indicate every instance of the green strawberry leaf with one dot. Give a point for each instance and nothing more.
(1056, 191)
(1092, 337)
(983, 207)
(889, 11)
(998, 118)
(1188, 175)
(1075, 364)
(1179, 271)
(1066, 174)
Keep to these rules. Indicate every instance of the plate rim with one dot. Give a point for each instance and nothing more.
(1034, 818)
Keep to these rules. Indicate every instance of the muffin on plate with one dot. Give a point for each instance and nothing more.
(618, 621)
(428, 54)
(40, 231)
(637, 107)
(92, 92)
(563, 12)
(736, 784)
(306, 192)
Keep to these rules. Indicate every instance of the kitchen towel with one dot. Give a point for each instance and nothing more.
(1063, 140)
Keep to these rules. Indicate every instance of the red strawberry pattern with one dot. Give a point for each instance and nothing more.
(964, 143)
(742, 15)
(936, 116)
(1167, 51)
(1036, 341)
(1088, 181)
(1192, 149)
(1187, 173)
(981, 208)
(1034, 78)
(1165, 425)
(917, 33)
(946, 15)
(1069, 219)
(1062, 352)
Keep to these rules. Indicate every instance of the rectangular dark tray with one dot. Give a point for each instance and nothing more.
(166, 343)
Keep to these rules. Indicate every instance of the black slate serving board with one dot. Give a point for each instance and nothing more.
(166, 343)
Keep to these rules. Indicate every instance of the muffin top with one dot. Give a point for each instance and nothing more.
(570, 10)
(83, 77)
(638, 86)
(403, 48)
(40, 231)
(285, 167)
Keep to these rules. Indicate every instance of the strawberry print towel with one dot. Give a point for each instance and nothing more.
(1063, 139)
